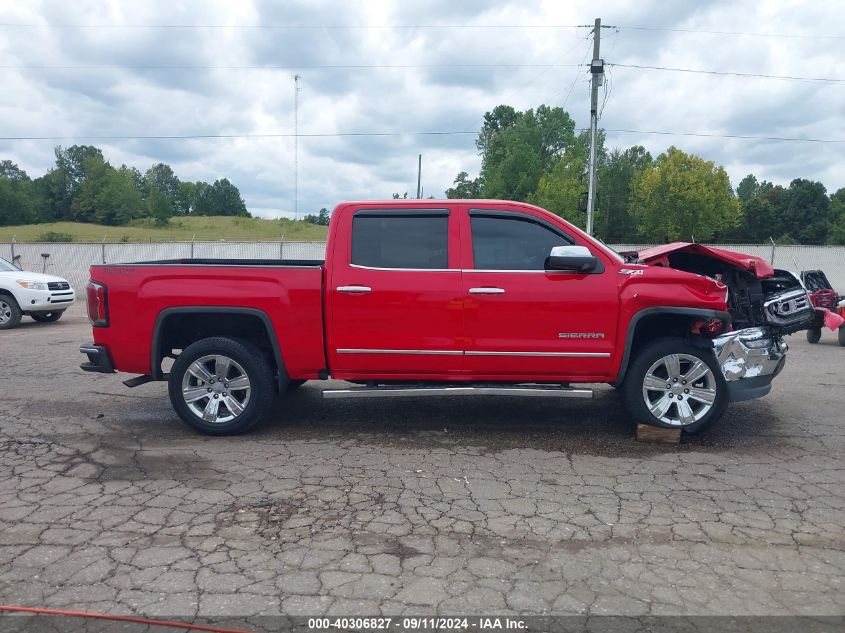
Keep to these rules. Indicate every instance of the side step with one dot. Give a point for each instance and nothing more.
(399, 391)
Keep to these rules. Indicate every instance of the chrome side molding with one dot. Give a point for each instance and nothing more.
(390, 391)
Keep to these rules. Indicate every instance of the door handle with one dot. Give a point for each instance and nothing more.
(486, 291)
(354, 289)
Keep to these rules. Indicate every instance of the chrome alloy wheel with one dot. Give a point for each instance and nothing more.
(216, 388)
(5, 312)
(679, 389)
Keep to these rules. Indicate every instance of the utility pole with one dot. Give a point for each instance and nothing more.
(597, 73)
(419, 176)
(296, 146)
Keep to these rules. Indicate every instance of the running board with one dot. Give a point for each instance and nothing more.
(529, 391)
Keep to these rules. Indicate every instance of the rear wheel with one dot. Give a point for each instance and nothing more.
(221, 386)
(47, 317)
(10, 312)
(673, 384)
(814, 335)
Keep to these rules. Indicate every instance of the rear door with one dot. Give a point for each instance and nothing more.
(395, 293)
(524, 322)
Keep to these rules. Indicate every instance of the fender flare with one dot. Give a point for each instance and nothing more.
(155, 348)
(698, 313)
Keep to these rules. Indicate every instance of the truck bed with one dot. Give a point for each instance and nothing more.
(286, 293)
(198, 261)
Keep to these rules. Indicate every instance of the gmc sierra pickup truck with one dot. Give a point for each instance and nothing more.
(450, 298)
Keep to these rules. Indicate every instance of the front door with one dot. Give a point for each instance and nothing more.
(395, 294)
(523, 322)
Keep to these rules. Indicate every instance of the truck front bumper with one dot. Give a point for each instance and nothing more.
(750, 359)
(99, 359)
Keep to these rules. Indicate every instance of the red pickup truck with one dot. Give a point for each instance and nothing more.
(452, 298)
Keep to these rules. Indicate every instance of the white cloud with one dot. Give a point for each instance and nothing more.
(128, 100)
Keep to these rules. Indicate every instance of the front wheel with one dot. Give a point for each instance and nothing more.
(10, 312)
(47, 317)
(673, 384)
(221, 386)
(814, 335)
(841, 335)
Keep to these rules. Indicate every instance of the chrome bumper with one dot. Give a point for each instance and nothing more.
(750, 359)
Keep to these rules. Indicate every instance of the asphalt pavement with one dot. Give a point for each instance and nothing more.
(109, 503)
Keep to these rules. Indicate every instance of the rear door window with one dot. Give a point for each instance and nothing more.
(416, 239)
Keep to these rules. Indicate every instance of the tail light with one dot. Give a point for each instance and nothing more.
(98, 304)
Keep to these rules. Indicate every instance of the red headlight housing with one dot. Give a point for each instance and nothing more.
(709, 328)
(98, 304)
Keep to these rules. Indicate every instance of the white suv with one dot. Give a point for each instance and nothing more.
(43, 297)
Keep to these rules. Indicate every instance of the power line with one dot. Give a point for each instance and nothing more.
(739, 136)
(390, 134)
(293, 27)
(310, 27)
(275, 67)
(731, 74)
(741, 33)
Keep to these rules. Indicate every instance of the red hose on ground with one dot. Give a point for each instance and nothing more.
(120, 618)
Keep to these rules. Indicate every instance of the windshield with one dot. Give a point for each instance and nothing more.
(6, 267)
(612, 252)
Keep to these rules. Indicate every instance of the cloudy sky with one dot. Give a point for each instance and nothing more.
(71, 71)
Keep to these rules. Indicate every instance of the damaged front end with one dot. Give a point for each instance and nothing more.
(750, 359)
(758, 295)
(765, 304)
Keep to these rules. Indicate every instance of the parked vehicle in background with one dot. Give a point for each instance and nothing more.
(42, 297)
(824, 297)
(451, 297)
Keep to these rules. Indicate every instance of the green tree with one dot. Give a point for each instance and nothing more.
(158, 206)
(517, 148)
(802, 212)
(221, 198)
(616, 174)
(747, 188)
(836, 235)
(17, 195)
(322, 218)
(88, 197)
(465, 187)
(161, 177)
(562, 188)
(681, 196)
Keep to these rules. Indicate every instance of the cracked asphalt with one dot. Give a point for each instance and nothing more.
(109, 503)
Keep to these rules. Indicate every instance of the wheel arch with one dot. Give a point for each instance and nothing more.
(667, 321)
(171, 326)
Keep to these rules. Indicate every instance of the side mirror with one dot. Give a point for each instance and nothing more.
(576, 259)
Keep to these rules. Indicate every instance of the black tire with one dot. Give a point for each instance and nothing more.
(47, 317)
(245, 358)
(712, 383)
(841, 335)
(295, 384)
(814, 335)
(10, 312)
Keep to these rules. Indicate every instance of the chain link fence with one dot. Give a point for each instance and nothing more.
(72, 260)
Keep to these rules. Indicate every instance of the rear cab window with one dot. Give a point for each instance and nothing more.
(417, 239)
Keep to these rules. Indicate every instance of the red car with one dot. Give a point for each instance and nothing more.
(450, 297)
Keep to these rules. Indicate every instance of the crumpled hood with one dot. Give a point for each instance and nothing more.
(659, 254)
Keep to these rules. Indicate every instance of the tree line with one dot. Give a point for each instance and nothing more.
(84, 187)
(536, 156)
